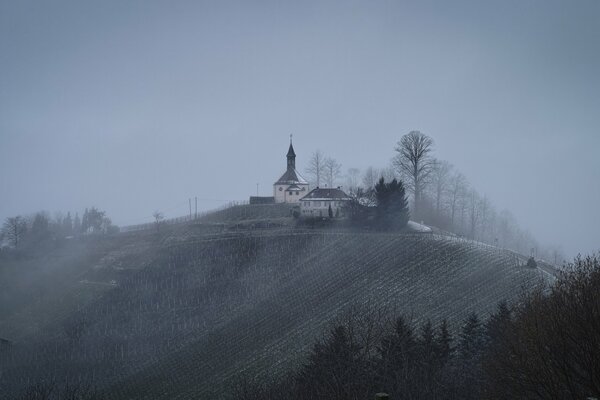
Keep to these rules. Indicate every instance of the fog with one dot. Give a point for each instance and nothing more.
(137, 106)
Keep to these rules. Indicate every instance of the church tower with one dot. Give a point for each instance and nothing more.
(291, 157)
(291, 187)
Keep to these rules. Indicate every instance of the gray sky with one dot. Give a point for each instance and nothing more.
(134, 106)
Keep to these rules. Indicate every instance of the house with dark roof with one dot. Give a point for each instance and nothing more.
(318, 201)
(291, 187)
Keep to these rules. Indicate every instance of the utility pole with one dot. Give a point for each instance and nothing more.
(196, 208)
(190, 201)
(257, 190)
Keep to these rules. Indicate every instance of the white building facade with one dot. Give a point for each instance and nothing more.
(318, 201)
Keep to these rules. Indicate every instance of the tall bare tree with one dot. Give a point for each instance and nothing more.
(333, 171)
(485, 207)
(14, 229)
(158, 219)
(474, 202)
(456, 190)
(316, 167)
(440, 180)
(414, 163)
(352, 178)
(370, 178)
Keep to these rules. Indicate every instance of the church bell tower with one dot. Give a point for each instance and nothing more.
(291, 157)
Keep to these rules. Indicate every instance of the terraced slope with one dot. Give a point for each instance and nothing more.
(212, 305)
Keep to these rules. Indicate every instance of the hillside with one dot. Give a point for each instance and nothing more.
(182, 312)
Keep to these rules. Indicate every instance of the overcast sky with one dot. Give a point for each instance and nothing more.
(135, 106)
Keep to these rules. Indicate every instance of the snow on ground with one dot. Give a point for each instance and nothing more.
(418, 227)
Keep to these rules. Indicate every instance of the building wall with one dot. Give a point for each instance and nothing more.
(283, 196)
(320, 208)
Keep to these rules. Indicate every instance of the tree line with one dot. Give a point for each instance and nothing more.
(22, 231)
(545, 346)
(438, 193)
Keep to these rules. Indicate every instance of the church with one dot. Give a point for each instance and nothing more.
(291, 187)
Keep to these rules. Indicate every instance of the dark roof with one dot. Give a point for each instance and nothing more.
(291, 176)
(291, 152)
(326, 193)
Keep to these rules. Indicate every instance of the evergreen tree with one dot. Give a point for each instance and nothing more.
(392, 205)
(443, 340)
(333, 369)
(470, 351)
(427, 350)
(96, 219)
(471, 337)
(397, 356)
(85, 224)
(498, 323)
(40, 224)
(39, 228)
(67, 225)
(445, 382)
(427, 360)
(77, 224)
(330, 211)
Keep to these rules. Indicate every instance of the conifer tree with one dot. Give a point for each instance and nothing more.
(470, 350)
(332, 368)
(443, 340)
(77, 224)
(85, 224)
(470, 337)
(392, 205)
(397, 356)
(67, 224)
(498, 323)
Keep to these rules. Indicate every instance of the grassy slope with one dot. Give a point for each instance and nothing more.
(197, 304)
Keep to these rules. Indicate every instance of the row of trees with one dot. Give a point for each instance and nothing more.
(323, 169)
(440, 195)
(443, 197)
(547, 346)
(20, 231)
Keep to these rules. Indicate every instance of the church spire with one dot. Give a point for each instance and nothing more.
(291, 156)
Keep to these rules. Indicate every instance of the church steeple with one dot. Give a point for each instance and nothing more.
(291, 156)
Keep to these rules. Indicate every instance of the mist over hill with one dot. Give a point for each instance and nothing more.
(185, 310)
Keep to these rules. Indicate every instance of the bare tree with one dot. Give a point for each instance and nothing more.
(485, 207)
(316, 167)
(414, 163)
(506, 228)
(370, 178)
(333, 170)
(352, 178)
(14, 229)
(474, 212)
(440, 180)
(388, 174)
(158, 218)
(456, 191)
(548, 349)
